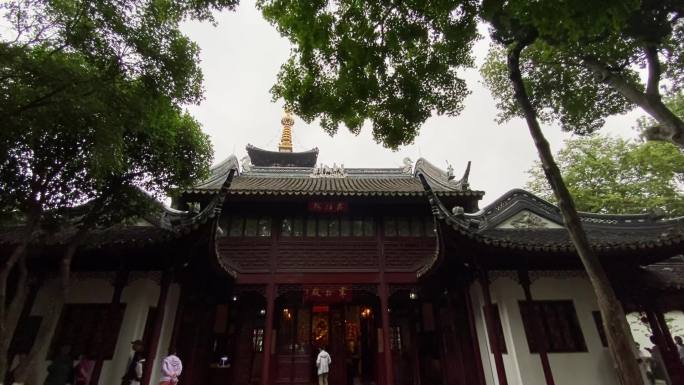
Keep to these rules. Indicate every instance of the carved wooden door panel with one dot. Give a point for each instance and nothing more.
(249, 349)
(293, 361)
(337, 347)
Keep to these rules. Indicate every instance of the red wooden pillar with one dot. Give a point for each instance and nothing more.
(387, 353)
(153, 345)
(415, 360)
(491, 329)
(524, 279)
(268, 333)
(119, 284)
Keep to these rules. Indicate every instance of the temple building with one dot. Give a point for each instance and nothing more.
(398, 272)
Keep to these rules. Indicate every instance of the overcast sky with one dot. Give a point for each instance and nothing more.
(241, 57)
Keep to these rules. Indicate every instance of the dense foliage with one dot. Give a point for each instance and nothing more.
(585, 63)
(91, 101)
(393, 63)
(613, 175)
(91, 96)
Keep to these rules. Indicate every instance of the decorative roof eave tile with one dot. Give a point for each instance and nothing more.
(606, 237)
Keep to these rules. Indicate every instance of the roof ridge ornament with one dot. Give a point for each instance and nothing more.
(246, 163)
(287, 121)
(408, 166)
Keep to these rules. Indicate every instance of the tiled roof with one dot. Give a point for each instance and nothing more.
(264, 158)
(400, 181)
(606, 233)
(119, 235)
(160, 225)
(335, 186)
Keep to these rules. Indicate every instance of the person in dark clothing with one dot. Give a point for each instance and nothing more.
(61, 369)
(135, 363)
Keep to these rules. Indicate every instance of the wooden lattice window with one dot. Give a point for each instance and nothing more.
(409, 227)
(258, 340)
(555, 324)
(248, 227)
(327, 226)
(91, 328)
(395, 338)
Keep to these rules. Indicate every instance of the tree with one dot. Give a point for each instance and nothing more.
(586, 63)
(613, 175)
(394, 62)
(90, 104)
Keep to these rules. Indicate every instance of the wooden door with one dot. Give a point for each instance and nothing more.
(293, 358)
(337, 348)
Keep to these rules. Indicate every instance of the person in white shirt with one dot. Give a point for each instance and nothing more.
(171, 368)
(323, 364)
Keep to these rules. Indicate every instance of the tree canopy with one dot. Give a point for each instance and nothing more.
(612, 175)
(392, 63)
(91, 96)
(583, 64)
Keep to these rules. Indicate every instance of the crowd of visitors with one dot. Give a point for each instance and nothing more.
(62, 371)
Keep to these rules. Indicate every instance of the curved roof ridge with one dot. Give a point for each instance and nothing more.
(218, 174)
(665, 237)
(515, 198)
(439, 178)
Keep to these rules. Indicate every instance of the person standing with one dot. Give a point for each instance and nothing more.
(323, 362)
(83, 370)
(61, 369)
(659, 368)
(134, 369)
(171, 368)
(680, 347)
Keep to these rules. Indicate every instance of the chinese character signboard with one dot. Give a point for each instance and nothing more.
(328, 207)
(327, 293)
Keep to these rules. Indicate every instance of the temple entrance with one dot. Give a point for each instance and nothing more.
(348, 331)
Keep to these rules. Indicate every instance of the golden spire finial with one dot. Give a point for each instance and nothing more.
(286, 139)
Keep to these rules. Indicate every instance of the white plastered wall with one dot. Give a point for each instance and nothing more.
(141, 293)
(523, 368)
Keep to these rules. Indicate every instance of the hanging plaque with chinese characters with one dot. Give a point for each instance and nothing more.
(328, 207)
(327, 293)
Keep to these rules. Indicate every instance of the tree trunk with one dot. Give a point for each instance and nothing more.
(671, 126)
(52, 318)
(614, 321)
(8, 319)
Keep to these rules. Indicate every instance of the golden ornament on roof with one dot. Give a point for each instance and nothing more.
(286, 137)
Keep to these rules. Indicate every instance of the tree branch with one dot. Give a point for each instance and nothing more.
(654, 70)
(671, 127)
